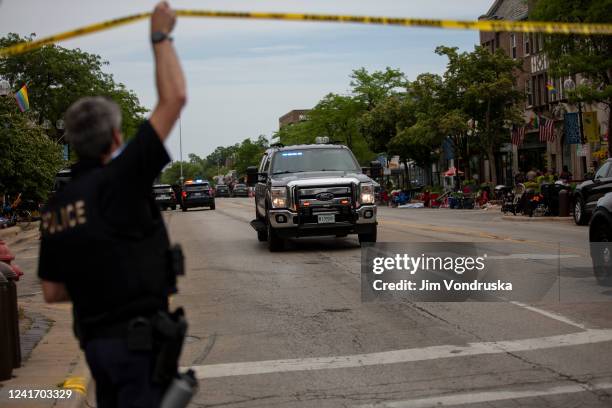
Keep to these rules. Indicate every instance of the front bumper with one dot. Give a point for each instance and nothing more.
(165, 202)
(287, 223)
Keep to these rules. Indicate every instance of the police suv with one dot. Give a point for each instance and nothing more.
(197, 193)
(312, 190)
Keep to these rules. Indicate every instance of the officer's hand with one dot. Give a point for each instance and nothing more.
(163, 18)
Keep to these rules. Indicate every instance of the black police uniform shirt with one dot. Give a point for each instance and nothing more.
(104, 238)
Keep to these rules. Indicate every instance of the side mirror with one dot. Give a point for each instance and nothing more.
(252, 176)
(375, 169)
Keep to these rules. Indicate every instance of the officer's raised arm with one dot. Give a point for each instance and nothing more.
(171, 88)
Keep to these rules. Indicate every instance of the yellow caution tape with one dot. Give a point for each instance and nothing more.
(77, 384)
(481, 25)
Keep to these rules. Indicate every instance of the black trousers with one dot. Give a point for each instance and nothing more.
(123, 377)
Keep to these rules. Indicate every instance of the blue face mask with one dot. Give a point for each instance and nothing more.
(117, 152)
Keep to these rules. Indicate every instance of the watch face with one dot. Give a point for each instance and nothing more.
(157, 37)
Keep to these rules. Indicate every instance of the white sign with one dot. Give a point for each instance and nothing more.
(539, 63)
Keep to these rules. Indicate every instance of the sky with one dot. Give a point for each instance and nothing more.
(243, 75)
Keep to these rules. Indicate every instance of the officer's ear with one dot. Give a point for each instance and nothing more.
(117, 138)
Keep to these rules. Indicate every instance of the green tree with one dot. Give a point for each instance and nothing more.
(587, 55)
(382, 123)
(479, 87)
(336, 116)
(172, 173)
(30, 159)
(56, 77)
(249, 153)
(372, 88)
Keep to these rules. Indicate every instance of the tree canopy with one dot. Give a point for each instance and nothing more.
(30, 159)
(56, 77)
(240, 155)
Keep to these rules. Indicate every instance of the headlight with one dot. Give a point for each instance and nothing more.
(278, 196)
(366, 193)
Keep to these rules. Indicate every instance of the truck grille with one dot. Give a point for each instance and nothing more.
(313, 201)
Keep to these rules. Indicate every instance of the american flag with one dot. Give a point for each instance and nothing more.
(547, 131)
(518, 135)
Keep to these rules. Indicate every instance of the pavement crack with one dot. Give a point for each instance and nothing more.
(587, 385)
(207, 349)
(340, 310)
(245, 399)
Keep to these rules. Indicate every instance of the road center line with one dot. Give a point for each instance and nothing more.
(486, 396)
(402, 356)
(551, 315)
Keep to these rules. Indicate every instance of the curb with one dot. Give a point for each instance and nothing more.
(522, 218)
(10, 232)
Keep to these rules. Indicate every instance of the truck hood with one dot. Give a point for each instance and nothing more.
(318, 178)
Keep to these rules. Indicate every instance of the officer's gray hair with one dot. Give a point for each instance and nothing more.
(90, 123)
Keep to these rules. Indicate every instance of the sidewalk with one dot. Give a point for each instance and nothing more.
(51, 354)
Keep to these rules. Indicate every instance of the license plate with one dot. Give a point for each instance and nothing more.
(326, 218)
(162, 197)
(197, 194)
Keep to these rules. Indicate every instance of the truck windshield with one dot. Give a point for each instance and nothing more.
(302, 160)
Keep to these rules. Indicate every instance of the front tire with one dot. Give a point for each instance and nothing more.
(368, 237)
(580, 217)
(275, 243)
(601, 252)
(262, 235)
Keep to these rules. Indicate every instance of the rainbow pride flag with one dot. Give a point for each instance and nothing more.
(551, 87)
(22, 99)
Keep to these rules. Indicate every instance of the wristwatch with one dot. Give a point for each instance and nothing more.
(158, 36)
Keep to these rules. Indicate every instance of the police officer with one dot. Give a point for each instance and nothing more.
(104, 244)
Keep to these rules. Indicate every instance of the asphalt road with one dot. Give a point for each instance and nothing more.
(289, 329)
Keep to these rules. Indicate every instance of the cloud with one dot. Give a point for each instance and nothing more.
(243, 75)
(276, 48)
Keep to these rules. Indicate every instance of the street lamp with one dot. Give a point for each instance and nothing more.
(570, 86)
(5, 87)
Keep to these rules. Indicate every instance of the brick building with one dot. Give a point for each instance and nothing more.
(294, 116)
(544, 99)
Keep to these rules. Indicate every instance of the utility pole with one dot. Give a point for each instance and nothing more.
(181, 148)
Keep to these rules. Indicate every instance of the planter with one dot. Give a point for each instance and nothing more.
(434, 203)
(468, 203)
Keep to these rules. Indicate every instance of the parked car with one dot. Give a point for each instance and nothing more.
(240, 190)
(164, 196)
(600, 237)
(222, 190)
(197, 193)
(588, 192)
